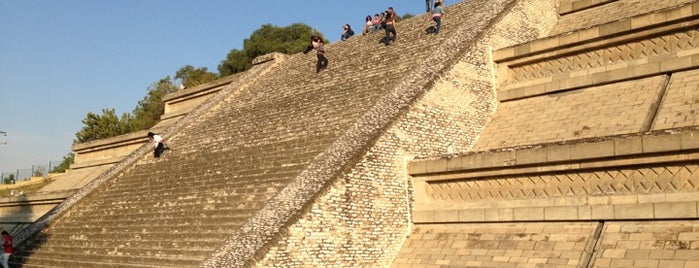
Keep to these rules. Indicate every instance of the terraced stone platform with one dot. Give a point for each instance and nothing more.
(529, 133)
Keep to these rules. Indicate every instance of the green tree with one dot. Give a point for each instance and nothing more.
(149, 110)
(267, 39)
(192, 77)
(102, 126)
(236, 61)
(405, 16)
(10, 179)
(68, 160)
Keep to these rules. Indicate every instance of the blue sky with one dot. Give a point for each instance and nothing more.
(60, 60)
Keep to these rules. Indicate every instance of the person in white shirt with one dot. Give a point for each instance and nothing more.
(158, 144)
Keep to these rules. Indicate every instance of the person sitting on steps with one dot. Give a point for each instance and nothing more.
(347, 33)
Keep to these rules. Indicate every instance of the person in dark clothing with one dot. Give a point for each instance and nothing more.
(347, 33)
(317, 44)
(390, 26)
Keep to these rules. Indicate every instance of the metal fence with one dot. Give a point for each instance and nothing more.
(27, 173)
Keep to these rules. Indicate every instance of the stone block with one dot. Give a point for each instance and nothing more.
(669, 263)
(622, 263)
(584, 212)
(590, 33)
(633, 211)
(530, 156)
(455, 163)
(502, 54)
(565, 7)
(647, 20)
(645, 263)
(582, 151)
(689, 140)
(676, 210)
(554, 85)
(614, 253)
(652, 198)
(665, 254)
(471, 215)
(688, 236)
(522, 49)
(664, 143)
(423, 216)
(569, 38)
(646, 69)
(679, 13)
(502, 159)
(637, 254)
(628, 146)
(615, 27)
(505, 214)
(676, 63)
(543, 44)
(602, 212)
(558, 153)
(528, 214)
(682, 197)
(417, 167)
(437, 165)
(561, 213)
(686, 254)
(446, 216)
(492, 214)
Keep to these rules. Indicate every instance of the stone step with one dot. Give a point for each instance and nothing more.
(131, 241)
(37, 262)
(128, 248)
(202, 183)
(202, 221)
(220, 194)
(204, 211)
(187, 201)
(162, 231)
(81, 259)
(199, 237)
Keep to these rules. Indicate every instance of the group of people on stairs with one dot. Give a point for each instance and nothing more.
(385, 21)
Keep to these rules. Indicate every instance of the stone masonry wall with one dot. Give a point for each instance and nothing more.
(586, 113)
(620, 9)
(361, 219)
(680, 107)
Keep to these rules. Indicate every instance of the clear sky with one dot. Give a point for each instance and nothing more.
(60, 60)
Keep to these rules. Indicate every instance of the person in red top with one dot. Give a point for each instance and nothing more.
(7, 245)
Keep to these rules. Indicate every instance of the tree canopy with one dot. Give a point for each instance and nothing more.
(68, 160)
(267, 39)
(106, 125)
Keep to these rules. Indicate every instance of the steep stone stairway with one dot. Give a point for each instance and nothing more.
(225, 165)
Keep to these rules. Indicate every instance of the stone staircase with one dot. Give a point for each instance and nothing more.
(250, 161)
